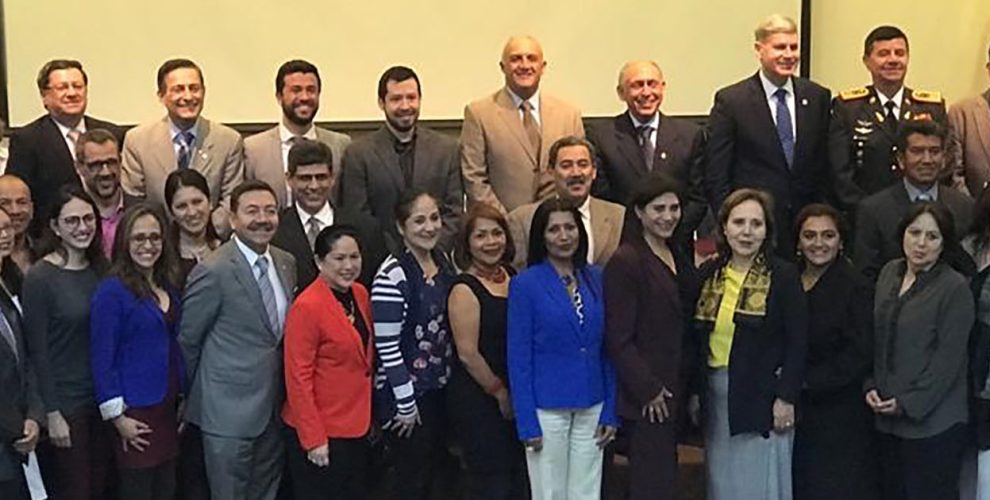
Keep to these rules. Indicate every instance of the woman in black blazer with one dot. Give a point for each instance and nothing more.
(833, 443)
(750, 334)
(649, 296)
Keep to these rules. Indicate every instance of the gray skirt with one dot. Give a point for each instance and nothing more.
(745, 466)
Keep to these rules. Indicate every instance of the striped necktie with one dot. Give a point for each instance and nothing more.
(267, 292)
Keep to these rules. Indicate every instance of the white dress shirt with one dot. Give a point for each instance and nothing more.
(281, 298)
(654, 124)
(897, 99)
(585, 210)
(534, 103)
(769, 88)
(324, 217)
(69, 143)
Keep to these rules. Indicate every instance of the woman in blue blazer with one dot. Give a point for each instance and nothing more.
(562, 383)
(137, 364)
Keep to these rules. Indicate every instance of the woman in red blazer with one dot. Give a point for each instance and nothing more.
(328, 374)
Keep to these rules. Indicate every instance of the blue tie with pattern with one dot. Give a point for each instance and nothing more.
(785, 130)
(267, 292)
(185, 140)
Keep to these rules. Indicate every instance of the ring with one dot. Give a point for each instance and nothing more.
(788, 424)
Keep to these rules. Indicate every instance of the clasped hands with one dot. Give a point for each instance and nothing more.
(882, 406)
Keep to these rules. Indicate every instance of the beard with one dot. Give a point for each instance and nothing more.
(289, 111)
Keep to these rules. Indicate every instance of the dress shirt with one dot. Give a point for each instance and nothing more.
(654, 125)
(324, 216)
(914, 191)
(108, 227)
(174, 131)
(585, 210)
(81, 128)
(4, 154)
(769, 88)
(285, 136)
(281, 300)
(534, 104)
(897, 99)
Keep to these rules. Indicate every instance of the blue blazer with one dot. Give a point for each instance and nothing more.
(555, 361)
(129, 347)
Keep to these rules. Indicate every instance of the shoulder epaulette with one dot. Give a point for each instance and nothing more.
(926, 96)
(856, 93)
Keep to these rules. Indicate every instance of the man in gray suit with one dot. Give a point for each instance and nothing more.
(231, 335)
(921, 153)
(400, 155)
(297, 90)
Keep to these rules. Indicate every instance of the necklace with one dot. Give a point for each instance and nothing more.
(347, 302)
(496, 275)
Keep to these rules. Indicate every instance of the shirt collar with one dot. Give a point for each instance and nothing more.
(251, 255)
(914, 192)
(118, 211)
(585, 208)
(65, 130)
(324, 215)
(534, 100)
(175, 130)
(898, 98)
(286, 135)
(769, 88)
(654, 122)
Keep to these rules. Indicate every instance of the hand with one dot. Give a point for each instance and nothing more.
(403, 425)
(504, 403)
(58, 430)
(27, 443)
(319, 456)
(873, 400)
(131, 432)
(879, 405)
(656, 410)
(535, 444)
(889, 407)
(783, 416)
(694, 410)
(604, 435)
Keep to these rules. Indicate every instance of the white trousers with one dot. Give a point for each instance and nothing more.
(569, 467)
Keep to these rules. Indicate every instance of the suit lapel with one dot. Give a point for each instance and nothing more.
(202, 151)
(510, 116)
(245, 276)
(628, 142)
(555, 289)
(667, 141)
(55, 137)
(286, 276)
(760, 110)
(875, 113)
(983, 124)
(389, 160)
(339, 317)
(422, 159)
(164, 151)
(600, 227)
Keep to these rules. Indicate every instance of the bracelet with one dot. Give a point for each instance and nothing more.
(495, 387)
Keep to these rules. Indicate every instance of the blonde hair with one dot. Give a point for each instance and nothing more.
(773, 24)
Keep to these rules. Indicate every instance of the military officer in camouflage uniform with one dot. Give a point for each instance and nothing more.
(863, 129)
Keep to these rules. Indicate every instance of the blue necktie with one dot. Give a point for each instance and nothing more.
(267, 292)
(185, 148)
(784, 130)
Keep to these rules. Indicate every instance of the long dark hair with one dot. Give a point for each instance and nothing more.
(952, 253)
(165, 272)
(178, 179)
(52, 243)
(462, 246)
(537, 252)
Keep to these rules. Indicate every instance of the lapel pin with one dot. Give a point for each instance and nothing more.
(663, 155)
(804, 102)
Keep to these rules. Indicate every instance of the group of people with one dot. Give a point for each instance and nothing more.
(189, 314)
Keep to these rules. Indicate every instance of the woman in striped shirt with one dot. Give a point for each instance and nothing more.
(412, 338)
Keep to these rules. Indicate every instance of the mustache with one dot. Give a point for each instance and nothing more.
(261, 226)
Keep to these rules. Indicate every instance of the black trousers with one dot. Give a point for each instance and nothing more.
(417, 457)
(652, 460)
(345, 478)
(922, 469)
(152, 483)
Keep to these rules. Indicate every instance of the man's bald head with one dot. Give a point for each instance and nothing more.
(641, 86)
(522, 64)
(15, 199)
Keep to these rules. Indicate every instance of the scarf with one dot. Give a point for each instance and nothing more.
(752, 294)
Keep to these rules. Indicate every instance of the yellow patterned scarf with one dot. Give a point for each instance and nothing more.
(752, 295)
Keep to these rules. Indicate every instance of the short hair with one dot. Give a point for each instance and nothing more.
(653, 186)
(929, 128)
(307, 152)
(537, 250)
(172, 65)
(568, 141)
(773, 24)
(329, 236)
(882, 34)
(403, 207)
(165, 272)
(822, 210)
(397, 74)
(736, 198)
(54, 65)
(95, 136)
(249, 186)
(622, 70)
(187, 177)
(295, 66)
(462, 246)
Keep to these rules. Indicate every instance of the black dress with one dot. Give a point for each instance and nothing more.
(492, 452)
(834, 440)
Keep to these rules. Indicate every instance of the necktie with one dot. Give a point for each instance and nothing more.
(8, 335)
(923, 197)
(784, 129)
(312, 230)
(185, 148)
(74, 137)
(890, 117)
(646, 145)
(267, 292)
(532, 130)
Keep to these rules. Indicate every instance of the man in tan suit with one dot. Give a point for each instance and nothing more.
(297, 90)
(969, 122)
(183, 139)
(572, 168)
(506, 136)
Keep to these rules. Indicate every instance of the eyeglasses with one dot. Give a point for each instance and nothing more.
(140, 239)
(97, 166)
(73, 221)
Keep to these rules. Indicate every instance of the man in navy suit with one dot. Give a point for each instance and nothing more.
(43, 152)
(770, 131)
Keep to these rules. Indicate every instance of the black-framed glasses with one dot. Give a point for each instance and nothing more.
(73, 221)
(141, 238)
(97, 166)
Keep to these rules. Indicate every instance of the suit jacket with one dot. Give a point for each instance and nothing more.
(969, 121)
(263, 158)
(233, 358)
(767, 358)
(372, 181)
(499, 164)
(679, 153)
(149, 157)
(606, 229)
(291, 237)
(327, 368)
(555, 360)
(878, 217)
(861, 149)
(647, 316)
(40, 156)
(19, 399)
(744, 150)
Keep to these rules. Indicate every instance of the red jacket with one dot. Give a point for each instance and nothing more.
(328, 372)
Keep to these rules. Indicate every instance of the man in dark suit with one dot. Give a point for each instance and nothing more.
(770, 131)
(399, 156)
(20, 404)
(863, 129)
(43, 151)
(642, 140)
(310, 178)
(922, 157)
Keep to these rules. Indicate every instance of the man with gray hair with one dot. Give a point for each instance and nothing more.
(770, 131)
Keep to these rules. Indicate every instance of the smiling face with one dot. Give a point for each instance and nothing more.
(191, 210)
(641, 87)
(401, 104)
(6, 235)
(255, 219)
(562, 235)
(660, 216)
(573, 173)
(421, 230)
(486, 243)
(15, 199)
(65, 95)
(888, 61)
(341, 266)
(779, 55)
(922, 242)
(75, 225)
(145, 242)
(299, 97)
(922, 160)
(183, 95)
(99, 169)
(746, 229)
(522, 64)
(311, 186)
(819, 240)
